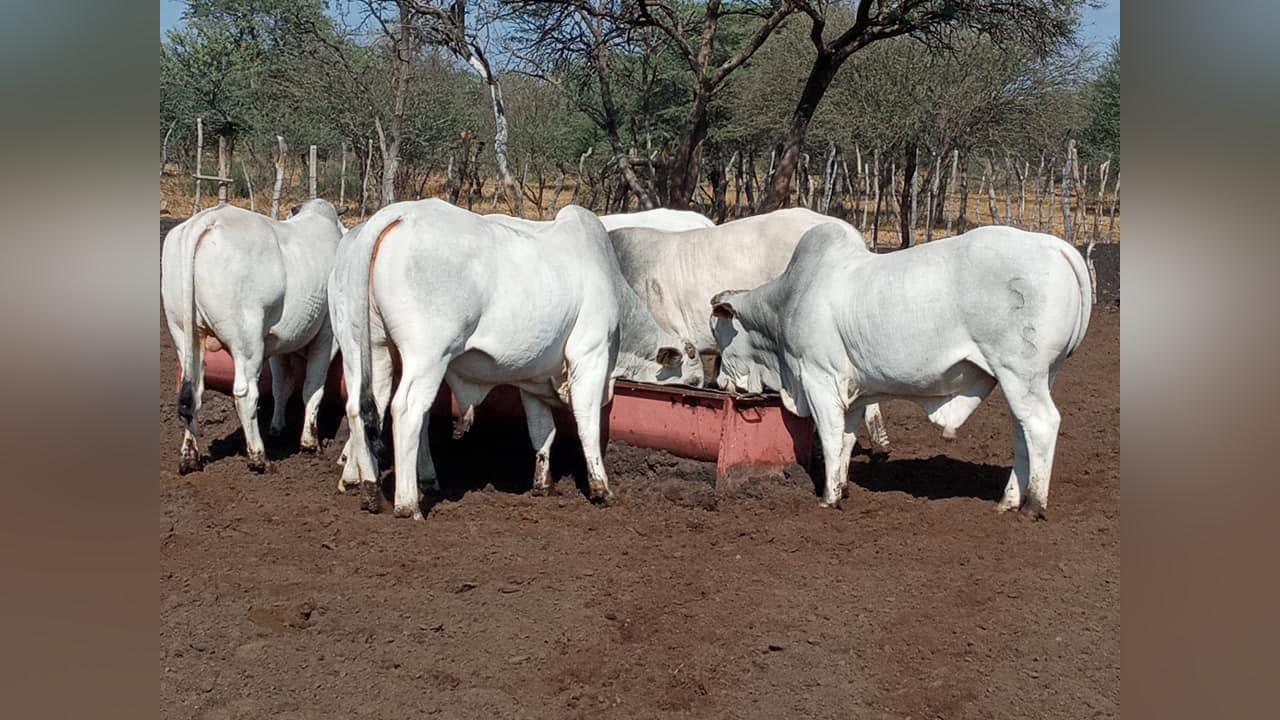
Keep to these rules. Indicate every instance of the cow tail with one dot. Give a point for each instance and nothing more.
(192, 357)
(370, 418)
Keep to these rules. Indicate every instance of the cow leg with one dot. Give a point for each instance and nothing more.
(1033, 410)
(282, 382)
(366, 471)
(874, 422)
(189, 459)
(1018, 476)
(409, 406)
(248, 367)
(542, 432)
(588, 378)
(319, 356)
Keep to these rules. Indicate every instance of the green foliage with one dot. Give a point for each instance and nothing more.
(1102, 134)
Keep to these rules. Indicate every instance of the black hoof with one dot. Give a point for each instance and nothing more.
(370, 497)
(189, 465)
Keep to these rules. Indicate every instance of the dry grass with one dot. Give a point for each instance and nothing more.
(177, 200)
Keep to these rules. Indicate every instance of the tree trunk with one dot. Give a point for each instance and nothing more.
(364, 182)
(195, 207)
(907, 205)
(946, 199)
(815, 87)
(1040, 195)
(683, 170)
(164, 147)
(933, 196)
(828, 179)
(278, 188)
(1115, 203)
(989, 184)
(962, 222)
(311, 173)
(253, 206)
(342, 178)
(555, 197)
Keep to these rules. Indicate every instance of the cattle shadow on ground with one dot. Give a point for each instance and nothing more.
(287, 443)
(934, 478)
(493, 456)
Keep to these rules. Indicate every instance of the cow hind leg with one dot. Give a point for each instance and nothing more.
(1034, 412)
(542, 432)
(409, 406)
(319, 355)
(282, 382)
(248, 366)
(1016, 487)
(588, 378)
(190, 397)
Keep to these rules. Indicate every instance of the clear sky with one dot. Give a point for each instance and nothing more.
(1099, 26)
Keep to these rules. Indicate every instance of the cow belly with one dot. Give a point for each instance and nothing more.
(511, 366)
(298, 325)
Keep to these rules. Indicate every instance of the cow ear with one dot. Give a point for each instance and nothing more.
(296, 209)
(668, 356)
(342, 211)
(724, 310)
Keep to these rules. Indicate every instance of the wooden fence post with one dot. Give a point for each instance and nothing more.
(1115, 201)
(195, 208)
(364, 183)
(875, 218)
(1067, 233)
(278, 188)
(342, 178)
(223, 170)
(989, 184)
(951, 182)
(311, 169)
(1040, 195)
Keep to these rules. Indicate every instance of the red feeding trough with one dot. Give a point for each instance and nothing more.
(741, 434)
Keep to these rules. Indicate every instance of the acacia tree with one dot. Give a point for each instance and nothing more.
(698, 34)
(1040, 25)
(572, 46)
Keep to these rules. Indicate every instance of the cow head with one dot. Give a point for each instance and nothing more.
(679, 364)
(744, 337)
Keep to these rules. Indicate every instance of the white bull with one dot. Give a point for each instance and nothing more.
(233, 278)
(476, 304)
(657, 219)
(939, 324)
(676, 273)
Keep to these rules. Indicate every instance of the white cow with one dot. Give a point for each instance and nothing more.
(233, 278)
(676, 273)
(476, 304)
(939, 324)
(657, 219)
(641, 339)
(646, 352)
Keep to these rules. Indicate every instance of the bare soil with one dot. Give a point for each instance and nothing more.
(280, 598)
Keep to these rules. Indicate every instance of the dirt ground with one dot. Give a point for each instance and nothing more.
(280, 598)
